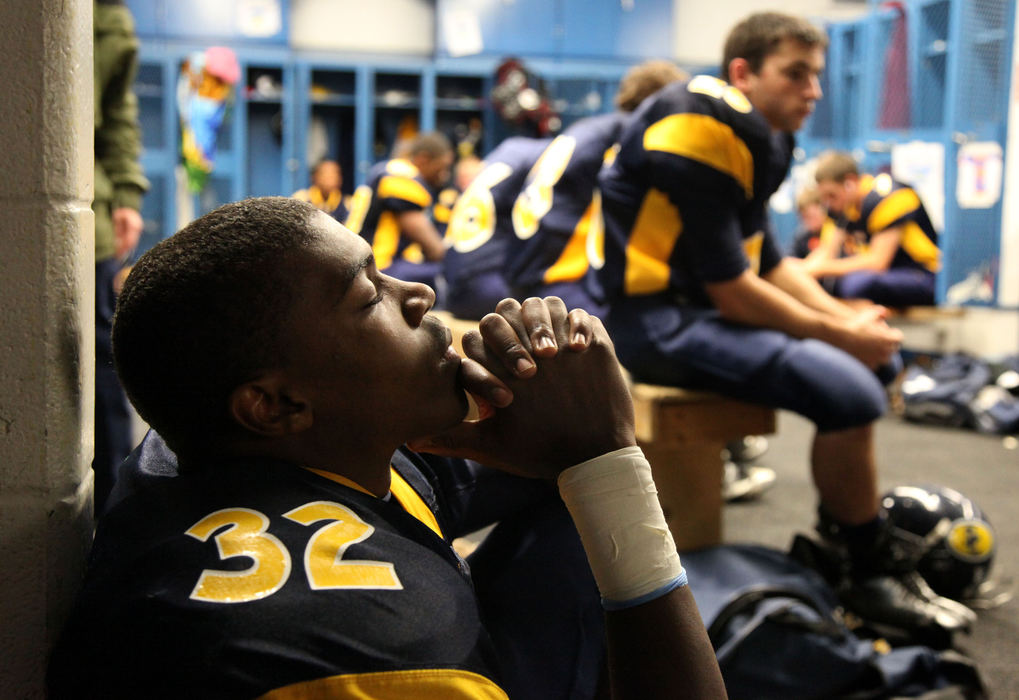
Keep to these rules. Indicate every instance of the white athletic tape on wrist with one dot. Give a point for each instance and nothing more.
(614, 504)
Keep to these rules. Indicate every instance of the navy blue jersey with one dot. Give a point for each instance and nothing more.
(233, 579)
(481, 227)
(685, 200)
(557, 208)
(888, 204)
(392, 187)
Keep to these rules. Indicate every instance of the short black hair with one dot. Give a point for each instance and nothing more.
(758, 36)
(204, 311)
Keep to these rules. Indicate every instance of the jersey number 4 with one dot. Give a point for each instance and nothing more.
(242, 532)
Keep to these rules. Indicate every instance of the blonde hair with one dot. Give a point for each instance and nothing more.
(835, 166)
(806, 197)
(644, 80)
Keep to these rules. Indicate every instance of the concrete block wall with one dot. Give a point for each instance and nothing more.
(46, 326)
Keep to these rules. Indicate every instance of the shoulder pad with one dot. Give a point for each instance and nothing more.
(883, 184)
(401, 168)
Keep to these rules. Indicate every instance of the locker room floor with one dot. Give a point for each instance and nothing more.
(982, 467)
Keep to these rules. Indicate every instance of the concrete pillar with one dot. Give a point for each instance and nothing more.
(46, 326)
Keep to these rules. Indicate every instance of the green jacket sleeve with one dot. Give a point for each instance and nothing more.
(119, 175)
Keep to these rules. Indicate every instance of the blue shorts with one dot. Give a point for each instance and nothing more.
(897, 287)
(660, 342)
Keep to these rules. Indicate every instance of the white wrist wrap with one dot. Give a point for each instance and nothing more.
(614, 505)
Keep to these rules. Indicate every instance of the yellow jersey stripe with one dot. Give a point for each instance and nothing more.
(572, 262)
(405, 189)
(655, 232)
(332, 476)
(918, 246)
(386, 239)
(752, 248)
(891, 208)
(828, 231)
(403, 492)
(424, 684)
(442, 213)
(412, 501)
(705, 139)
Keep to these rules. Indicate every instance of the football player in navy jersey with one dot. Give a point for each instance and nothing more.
(894, 245)
(392, 209)
(699, 295)
(275, 537)
(324, 192)
(481, 228)
(558, 213)
(464, 172)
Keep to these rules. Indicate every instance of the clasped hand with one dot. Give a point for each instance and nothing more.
(549, 387)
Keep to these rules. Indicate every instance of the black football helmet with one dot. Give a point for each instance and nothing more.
(959, 541)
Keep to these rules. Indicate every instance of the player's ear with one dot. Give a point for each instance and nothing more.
(739, 73)
(268, 406)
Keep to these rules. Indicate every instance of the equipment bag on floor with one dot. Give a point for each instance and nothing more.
(778, 633)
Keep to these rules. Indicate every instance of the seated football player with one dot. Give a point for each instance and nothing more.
(818, 236)
(274, 535)
(557, 215)
(324, 192)
(699, 295)
(464, 171)
(481, 228)
(392, 209)
(893, 254)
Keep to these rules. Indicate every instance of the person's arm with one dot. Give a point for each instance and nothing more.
(416, 226)
(829, 247)
(877, 258)
(118, 132)
(795, 281)
(753, 301)
(571, 418)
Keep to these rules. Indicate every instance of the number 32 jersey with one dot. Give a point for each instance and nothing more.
(685, 201)
(273, 581)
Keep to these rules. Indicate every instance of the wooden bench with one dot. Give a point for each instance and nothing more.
(682, 434)
(932, 329)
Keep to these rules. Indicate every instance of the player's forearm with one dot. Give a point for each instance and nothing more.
(854, 263)
(752, 301)
(658, 647)
(417, 227)
(797, 283)
(661, 650)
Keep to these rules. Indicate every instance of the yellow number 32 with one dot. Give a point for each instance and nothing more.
(242, 532)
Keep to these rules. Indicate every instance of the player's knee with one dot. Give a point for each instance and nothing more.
(859, 403)
(845, 394)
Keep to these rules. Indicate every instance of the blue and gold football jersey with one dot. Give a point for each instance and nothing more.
(335, 204)
(890, 204)
(685, 200)
(557, 207)
(241, 580)
(443, 208)
(392, 187)
(481, 225)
